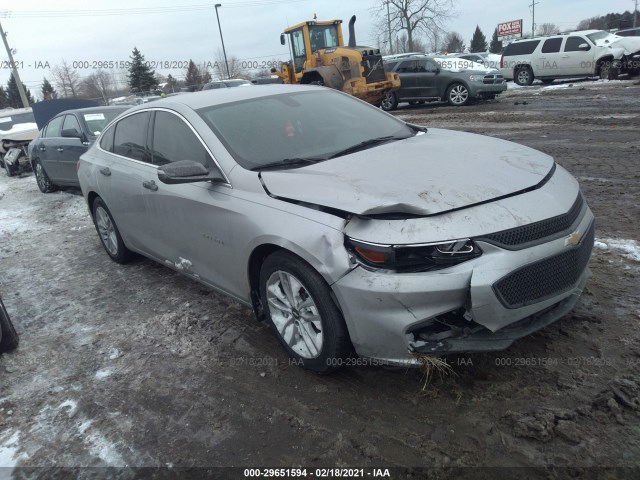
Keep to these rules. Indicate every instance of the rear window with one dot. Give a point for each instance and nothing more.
(521, 48)
(130, 139)
(7, 123)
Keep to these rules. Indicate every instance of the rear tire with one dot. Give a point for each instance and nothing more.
(109, 233)
(42, 179)
(8, 336)
(389, 102)
(298, 304)
(523, 76)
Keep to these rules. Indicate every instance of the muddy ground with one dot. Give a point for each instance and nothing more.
(135, 365)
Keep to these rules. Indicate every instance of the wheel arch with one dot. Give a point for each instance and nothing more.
(601, 61)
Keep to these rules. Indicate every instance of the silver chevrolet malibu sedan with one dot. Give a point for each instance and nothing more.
(346, 228)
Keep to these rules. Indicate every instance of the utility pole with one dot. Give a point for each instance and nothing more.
(222, 40)
(635, 13)
(389, 28)
(533, 17)
(16, 76)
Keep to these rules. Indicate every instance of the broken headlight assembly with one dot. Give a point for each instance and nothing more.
(413, 258)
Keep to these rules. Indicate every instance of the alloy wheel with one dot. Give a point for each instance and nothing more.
(107, 231)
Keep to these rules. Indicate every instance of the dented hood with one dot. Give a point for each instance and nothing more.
(427, 174)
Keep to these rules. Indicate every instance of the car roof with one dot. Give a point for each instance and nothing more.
(207, 98)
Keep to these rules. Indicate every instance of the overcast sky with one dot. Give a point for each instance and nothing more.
(176, 31)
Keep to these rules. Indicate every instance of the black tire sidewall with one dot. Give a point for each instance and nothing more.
(529, 81)
(335, 345)
(394, 102)
(48, 184)
(449, 95)
(123, 253)
(8, 336)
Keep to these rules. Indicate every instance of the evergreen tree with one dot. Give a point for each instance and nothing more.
(4, 100)
(192, 77)
(496, 45)
(47, 91)
(478, 42)
(141, 77)
(13, 94)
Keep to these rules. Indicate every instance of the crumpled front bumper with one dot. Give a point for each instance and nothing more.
(387, 313)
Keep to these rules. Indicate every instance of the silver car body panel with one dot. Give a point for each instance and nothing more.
(209, 231)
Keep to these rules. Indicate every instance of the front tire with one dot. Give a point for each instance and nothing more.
(608, 71)
(109, 233)
(458, 95)
(389, 102)
(8, 336)
(297, 301)
(42, 179)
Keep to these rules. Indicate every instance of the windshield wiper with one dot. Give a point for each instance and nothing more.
(366, 144)
(288, 162)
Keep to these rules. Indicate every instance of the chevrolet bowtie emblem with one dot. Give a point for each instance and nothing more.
(572, 239)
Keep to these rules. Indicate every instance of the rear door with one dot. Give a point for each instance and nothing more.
(549, 62)
(429, 71)
(46, 150)
(123, 174)
(409, 79)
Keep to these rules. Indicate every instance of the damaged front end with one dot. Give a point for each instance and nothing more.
(16, 160)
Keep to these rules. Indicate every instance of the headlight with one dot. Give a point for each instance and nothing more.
(413, 258)
(476, 78)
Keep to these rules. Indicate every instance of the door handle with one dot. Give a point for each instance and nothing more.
(150, 185)
(105, 171)
(60, 149)
(565, 56)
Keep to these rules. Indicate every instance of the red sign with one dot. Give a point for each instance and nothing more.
(508, 29)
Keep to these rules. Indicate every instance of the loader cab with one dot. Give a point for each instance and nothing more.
(308, 37)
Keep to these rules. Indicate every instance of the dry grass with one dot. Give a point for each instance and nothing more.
(430, 365)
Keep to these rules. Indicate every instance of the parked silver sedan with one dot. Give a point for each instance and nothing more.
(346, 228)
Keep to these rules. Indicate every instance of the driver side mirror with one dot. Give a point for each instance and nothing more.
(282, 41)
(187, 171)
(584, 46)
(71, 133)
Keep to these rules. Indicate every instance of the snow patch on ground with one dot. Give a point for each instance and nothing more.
(106, 451)
(8, 450)
(103, 373)
(72, 406)
(626, 248)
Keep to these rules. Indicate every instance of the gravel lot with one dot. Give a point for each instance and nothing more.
(135, 365)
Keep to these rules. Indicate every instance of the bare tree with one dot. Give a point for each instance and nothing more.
(66, 79)
(547, 29)
(236, 68)
(97, 85)
(401, 45)
(412, 17)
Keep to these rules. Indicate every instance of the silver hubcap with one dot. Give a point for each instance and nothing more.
(107, 231)
(294, 313)
(523, 76)
(458, 94)
(40, 176)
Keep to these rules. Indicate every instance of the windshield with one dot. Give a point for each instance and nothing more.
(601, 37)
(313, 124)
(96, 121)
(323, 36)
(7, 123)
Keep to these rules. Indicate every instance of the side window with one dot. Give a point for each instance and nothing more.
(406, 66)
(106, 142)
(552, 45)
(431, 66)
(173, 140)
(299, 53)
(573, 43)
(54, 127)
(421, 66)
(130, 139)
(71, 123)
(521, 48)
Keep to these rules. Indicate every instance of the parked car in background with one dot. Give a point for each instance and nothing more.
(343, 226)
(451, 79)
(17, 128)
(629, 32)
(8, 336)
(234, 82)
(55, 152)
(586, 53)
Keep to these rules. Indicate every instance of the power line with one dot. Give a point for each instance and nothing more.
(138, 11)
